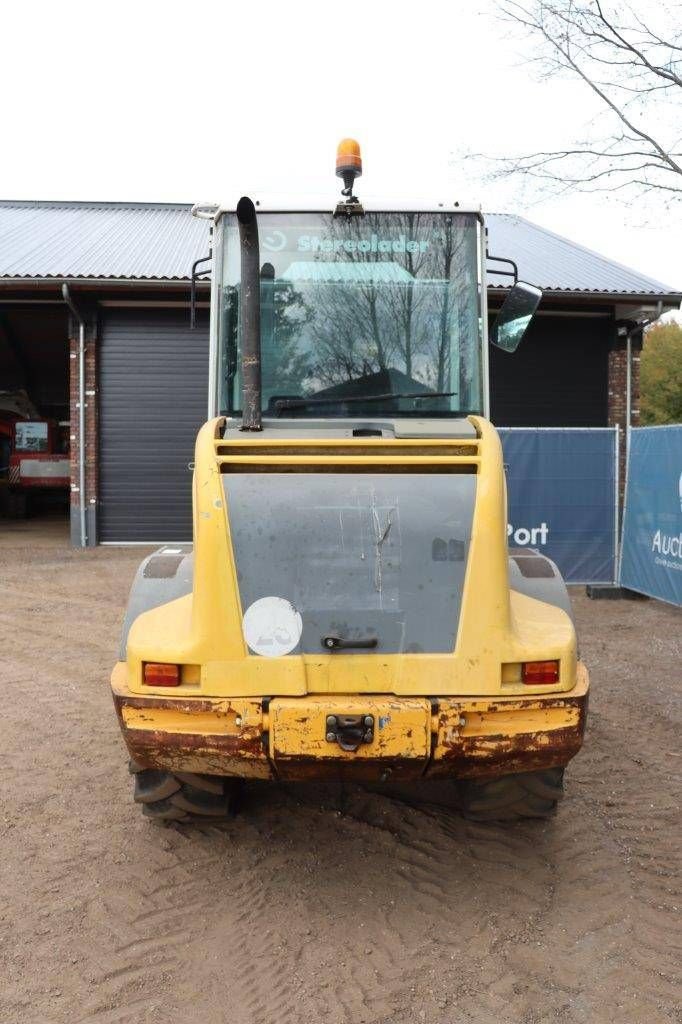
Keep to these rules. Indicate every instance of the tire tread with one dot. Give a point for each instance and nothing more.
(512, 797)
(183, 797)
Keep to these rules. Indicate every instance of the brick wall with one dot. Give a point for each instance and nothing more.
(617, 393)
(91, 423)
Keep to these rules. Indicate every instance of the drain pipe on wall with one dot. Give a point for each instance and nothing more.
(640, 327)
(81, 411)
(628, 389)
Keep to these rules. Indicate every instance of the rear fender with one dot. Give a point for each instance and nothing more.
(162, 577)
(537, 576)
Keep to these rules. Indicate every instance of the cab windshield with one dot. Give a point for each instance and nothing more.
(366, 315)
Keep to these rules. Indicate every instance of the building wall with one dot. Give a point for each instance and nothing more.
(569, 371)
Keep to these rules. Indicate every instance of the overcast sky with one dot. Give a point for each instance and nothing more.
(155, 100)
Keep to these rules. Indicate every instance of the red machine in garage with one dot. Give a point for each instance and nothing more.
(38, 458)
(34, 452)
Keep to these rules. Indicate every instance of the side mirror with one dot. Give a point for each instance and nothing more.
(517, 311)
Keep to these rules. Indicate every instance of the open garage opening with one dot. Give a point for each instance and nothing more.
(35, 427)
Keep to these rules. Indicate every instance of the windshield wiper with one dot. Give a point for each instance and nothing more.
(302, 403)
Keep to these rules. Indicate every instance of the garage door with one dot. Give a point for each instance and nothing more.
(153, 383)
(556, 378)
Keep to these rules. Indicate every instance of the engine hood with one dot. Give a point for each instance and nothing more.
(362, 558)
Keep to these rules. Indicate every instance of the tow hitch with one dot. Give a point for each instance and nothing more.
(350, 731)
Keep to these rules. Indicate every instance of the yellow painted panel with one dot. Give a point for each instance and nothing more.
(496, 626)
(298, 727)
(224, 718)
(510, 723)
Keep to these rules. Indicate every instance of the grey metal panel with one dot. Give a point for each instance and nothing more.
(360, 556)
(152, 401)
(155, 241)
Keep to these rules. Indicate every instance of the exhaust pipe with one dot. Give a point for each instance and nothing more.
(250, 315)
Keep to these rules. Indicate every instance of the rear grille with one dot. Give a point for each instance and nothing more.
(354, 449)
(351, 468)
(341, 457)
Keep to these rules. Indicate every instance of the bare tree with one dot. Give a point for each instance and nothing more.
(635, 74)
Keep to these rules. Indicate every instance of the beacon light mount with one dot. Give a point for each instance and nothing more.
(348, 168)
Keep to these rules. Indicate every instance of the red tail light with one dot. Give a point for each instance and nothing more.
(535, 672)
(158, 674)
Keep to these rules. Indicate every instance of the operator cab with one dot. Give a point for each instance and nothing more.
(364, 312)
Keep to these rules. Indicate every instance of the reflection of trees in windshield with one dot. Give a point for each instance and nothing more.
(348, 337)
(406, 302)
(399, 310)
(285, 360)
(382, 298)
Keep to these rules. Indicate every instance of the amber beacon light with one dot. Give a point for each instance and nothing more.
(348, 164)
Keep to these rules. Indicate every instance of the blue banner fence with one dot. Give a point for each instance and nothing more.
(562, 485)
(651, 551)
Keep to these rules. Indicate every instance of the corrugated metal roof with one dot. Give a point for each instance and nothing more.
(159, 242)
(554, 263)
(99, 240)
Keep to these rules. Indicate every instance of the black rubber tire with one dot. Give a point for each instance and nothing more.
(184, 797)
(511, 797)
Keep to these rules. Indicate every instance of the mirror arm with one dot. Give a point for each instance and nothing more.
(513, 273)
(197, 275)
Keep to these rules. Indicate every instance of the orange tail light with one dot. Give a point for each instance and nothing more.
(535, 672)
(160, 674)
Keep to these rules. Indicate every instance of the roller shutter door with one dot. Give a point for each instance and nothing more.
(153, 382)
(556, 378)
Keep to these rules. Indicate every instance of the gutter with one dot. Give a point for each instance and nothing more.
(670, 300)
(81, 411)
(94, 283)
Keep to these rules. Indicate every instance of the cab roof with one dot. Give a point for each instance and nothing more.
(268, 203)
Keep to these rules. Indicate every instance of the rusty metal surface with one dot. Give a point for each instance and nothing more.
(210, 755)
(230, 737)
(460, 754)
(239, 751)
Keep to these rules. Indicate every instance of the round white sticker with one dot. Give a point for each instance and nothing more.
(272, 627)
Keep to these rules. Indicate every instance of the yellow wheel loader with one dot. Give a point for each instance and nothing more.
(349, 609)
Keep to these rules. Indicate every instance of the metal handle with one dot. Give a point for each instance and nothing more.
(339, 643)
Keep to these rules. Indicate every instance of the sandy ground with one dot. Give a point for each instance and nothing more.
(312, 908)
